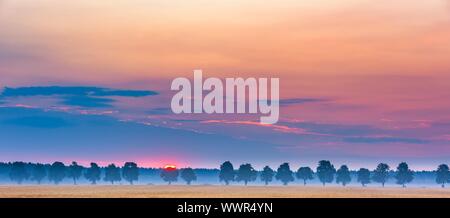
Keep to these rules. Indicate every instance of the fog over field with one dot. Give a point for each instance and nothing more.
(152, 176)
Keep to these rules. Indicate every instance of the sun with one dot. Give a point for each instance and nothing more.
(170, 167)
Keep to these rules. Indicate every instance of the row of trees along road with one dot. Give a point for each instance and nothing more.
(325, 173)
(57, 171)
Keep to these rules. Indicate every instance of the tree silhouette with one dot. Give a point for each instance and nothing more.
(404, 174)
(57, 172)
(246, 173)
(38, 173)
(325, 172)
(169, 175)
(18, 172)
(130, 172)
(284, 174)
(267, 175)
(381, 174)
(227, 173)
(188, 175)
(112, 174)
(305, 173)
(343, 175)
(75, 172)
(442, 175)
(364, 176)
(93, 173)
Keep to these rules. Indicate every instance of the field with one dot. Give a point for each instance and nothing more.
(165, 191)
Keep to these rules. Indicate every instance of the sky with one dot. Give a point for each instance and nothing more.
(361, 82)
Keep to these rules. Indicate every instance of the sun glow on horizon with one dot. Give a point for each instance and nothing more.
(170, 167)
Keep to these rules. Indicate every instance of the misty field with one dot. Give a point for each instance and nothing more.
(205, 191)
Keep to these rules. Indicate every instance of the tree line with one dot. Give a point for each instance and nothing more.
(57, 172)
(325, 172)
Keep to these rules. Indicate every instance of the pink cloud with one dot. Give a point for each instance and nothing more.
(25, 106)
(445, 137)
(278, 128)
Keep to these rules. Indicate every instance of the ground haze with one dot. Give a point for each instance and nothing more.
(197, 191)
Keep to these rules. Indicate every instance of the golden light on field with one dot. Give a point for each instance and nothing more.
(207, 191)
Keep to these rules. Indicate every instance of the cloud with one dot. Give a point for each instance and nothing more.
(159, 111)
(296, 101)
(85, 101)
(73, 90)
(187, 120)
(278, 128)
(337, 129)
(38, 122)
(385, 140)
(82, 96)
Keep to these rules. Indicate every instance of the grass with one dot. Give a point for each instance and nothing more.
(199, 191)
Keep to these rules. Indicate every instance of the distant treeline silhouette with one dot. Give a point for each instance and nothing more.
(130, 172)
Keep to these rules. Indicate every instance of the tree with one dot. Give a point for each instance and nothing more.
(75, 172)
(93, 173)
(227, 173)
(169, 175)
(130, 172)
(364, 176)
(305, 173)
(404, 174)
(246, 173)
(381, 174)
(57, 172)
(112, 174)
(325, 172)
(188, 175)
(284, 174)
(343, 175)
(18, 172)
(442, 175)
(267, 175)
(38, 173)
